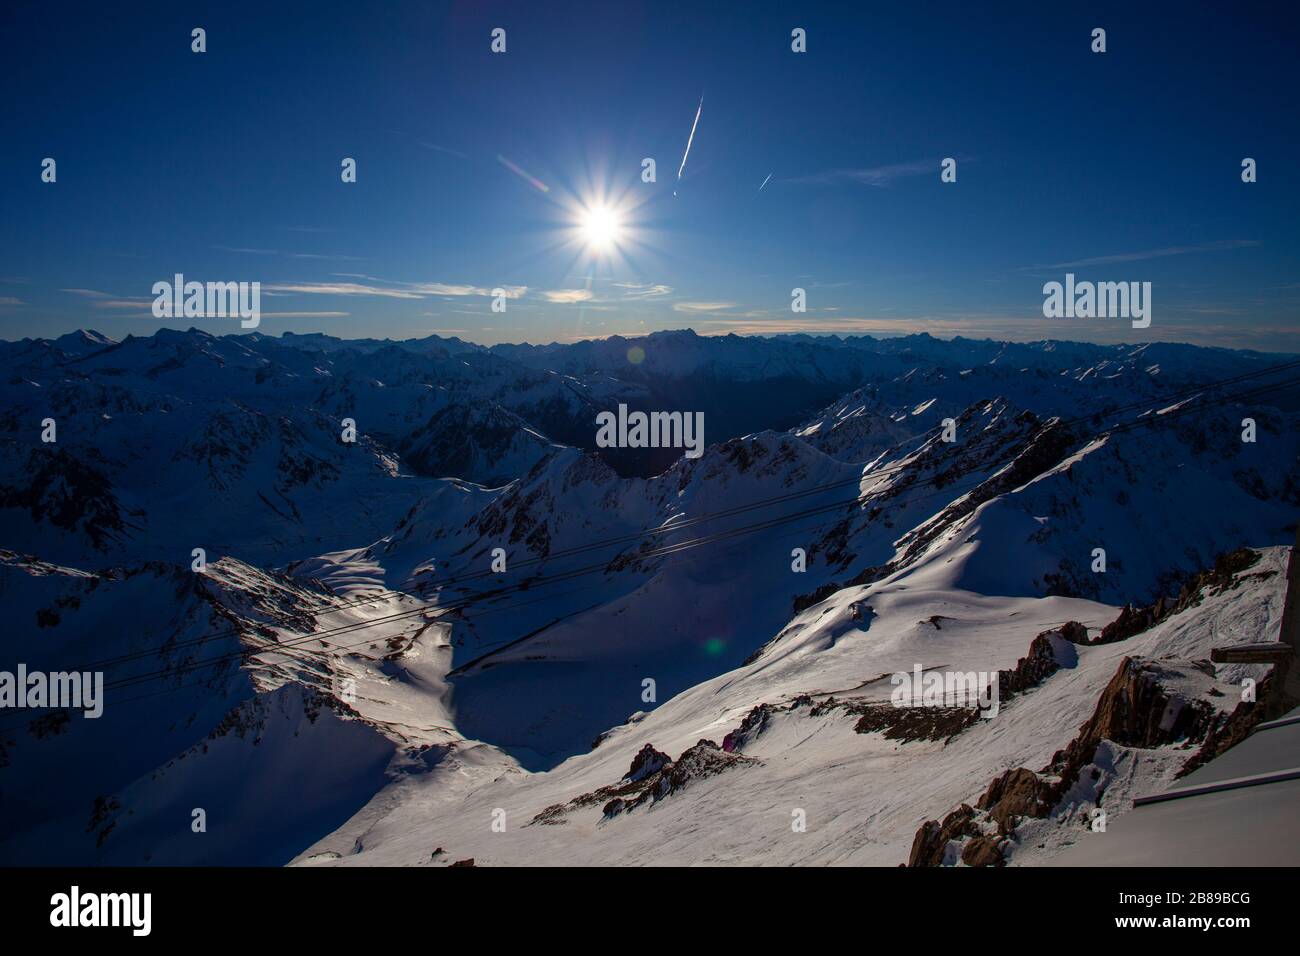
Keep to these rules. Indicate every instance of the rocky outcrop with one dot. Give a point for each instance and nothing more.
(648, 761)
(931, 844)
(1048, 653)
(1225, 575)
(652, 777)
(1226, 732)
(1016, 794)
(1135, 710)
(752, 726)
(705, 759)
(907, 724)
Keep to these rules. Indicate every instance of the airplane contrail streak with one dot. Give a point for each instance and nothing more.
(765, 182)
(690, 139)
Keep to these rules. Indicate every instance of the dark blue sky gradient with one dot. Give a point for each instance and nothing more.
(169, 161)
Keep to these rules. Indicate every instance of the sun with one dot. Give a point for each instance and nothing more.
(601, 228)
(600, 224)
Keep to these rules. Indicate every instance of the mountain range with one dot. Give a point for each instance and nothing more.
(463, 630)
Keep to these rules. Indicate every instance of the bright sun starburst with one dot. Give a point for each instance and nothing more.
(601, 228)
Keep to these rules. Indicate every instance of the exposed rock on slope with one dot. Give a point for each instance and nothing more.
(1223, 576)
(652, 777)
(1147, 705)
(1135, 710)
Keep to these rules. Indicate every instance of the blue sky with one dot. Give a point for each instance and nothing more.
(225, 166)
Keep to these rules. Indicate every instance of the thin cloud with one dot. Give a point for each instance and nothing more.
(443, 288)
(106, 300)
(339, 288)
(133, 303)
(878, 176)
(246, 251)
(444, 149)
(304, 315)
(1154, 254)
(390, 290)
(249, 251)
(703, 306)
(566, 295)
(640, 290)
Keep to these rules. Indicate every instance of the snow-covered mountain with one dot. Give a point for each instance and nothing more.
(471, 614)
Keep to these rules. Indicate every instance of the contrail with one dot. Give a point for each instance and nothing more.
(690, 139)
(523, 174)
(765, 182)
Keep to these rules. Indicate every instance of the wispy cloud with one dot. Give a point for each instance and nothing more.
(566, 295)
(444, 149)
(131, 303)
(641, 290)
(699, 307)
(338, 288)
(248, 251)
(871, 175)
(443, 288)
(304, 315)
(106, 300)
(1154, 254)
(10, 300)
(390, 290)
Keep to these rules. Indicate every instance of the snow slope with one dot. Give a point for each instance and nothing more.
(863, 795)
(355, 680)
